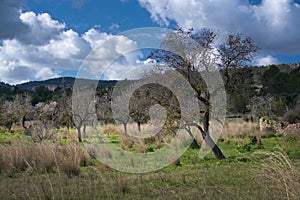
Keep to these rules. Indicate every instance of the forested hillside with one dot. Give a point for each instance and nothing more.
(272, 92)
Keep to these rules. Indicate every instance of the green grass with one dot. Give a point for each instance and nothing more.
(244, 174)
(7, 138)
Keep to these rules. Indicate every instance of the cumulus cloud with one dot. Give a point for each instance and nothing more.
(42, 28)
(95, 38)
(46, 49)
(67, 45)
(272, 24)
(112, 58)
(266, 60)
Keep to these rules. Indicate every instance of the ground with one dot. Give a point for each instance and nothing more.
(270, 171)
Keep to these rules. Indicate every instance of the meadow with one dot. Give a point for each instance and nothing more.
(61, 168)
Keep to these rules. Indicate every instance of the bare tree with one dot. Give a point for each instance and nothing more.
(17, 110)
(22, 107)
(193, 59)
(84, 108)
(139, 106)
(43, 126)
(65, 115)
(103, 106)
(236, 52)
(120, 110)
(8, 116)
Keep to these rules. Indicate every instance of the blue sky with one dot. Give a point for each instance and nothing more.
(41, 39)
(108, 15)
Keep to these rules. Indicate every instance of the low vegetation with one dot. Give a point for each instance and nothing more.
(61, 168)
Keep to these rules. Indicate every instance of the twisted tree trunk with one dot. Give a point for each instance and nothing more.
(215, 149)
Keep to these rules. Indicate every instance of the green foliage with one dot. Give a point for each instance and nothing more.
(253, 140)
(41, 94)
(283, 86)
(8, 138)
(64, 141)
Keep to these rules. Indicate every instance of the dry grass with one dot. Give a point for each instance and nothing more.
(239, 128)
(278, 175)
(43, 157)
(111, 129)
(126, 142)
(292, 133)
(233, 130)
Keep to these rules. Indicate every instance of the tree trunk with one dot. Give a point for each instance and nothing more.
(79, 134)
(9, 126)
(84, 130)
(194, 144)
(215, 149)
(23, 122)
(68, 128)
(125, 127)
(139, 126)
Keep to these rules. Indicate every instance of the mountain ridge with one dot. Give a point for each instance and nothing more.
(53, 83)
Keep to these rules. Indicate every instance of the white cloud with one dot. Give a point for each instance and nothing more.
(47, 49)
(114, 27)
(95, 38)
(112, 59)
(147, 61)
(67, 45)
(274, 25)
(265, 61)
(45, 73)
(42, 28)
(40, 51)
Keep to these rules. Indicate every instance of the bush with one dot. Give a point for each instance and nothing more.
(293, 115)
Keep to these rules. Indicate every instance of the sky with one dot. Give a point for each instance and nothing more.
(42, 39)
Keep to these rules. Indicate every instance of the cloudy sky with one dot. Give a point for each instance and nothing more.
(41, 39)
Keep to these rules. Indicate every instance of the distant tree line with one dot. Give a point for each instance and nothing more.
(260, 91)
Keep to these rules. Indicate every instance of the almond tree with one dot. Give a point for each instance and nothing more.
(45, 118)
(8, 118)
(193, 59)
(235, 52)
(17, 110)
(83, 107)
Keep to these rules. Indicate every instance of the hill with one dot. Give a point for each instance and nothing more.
(66, 82)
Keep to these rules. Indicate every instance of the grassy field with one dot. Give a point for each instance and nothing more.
(62, 169)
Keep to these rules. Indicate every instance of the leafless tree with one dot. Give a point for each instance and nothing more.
(17, 110)
(193, 59)
(8, 116)
(103, 106)
(43, 125)
(83, 107)
(237, 51)
(120, 110)
(65, 115)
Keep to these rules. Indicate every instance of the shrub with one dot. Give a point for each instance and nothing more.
(293, 115)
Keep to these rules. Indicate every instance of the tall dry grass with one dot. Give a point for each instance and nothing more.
(278, 175)
(43, 157)
(240, 128)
